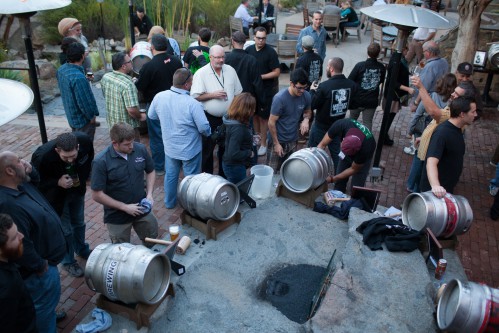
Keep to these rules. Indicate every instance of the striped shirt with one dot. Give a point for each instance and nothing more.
(120, 93)
(428, 132)
(77, 96)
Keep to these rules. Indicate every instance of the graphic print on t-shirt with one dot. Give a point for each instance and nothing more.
(339, 102)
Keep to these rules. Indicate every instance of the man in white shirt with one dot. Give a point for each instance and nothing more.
(215, 86)
(242, 13)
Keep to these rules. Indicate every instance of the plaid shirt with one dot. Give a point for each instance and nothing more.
(120, 93)
(77, 96)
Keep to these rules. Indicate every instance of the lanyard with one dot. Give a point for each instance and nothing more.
(221, 83)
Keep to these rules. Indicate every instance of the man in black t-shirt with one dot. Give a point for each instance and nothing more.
(197, 56)
(141, 22)
(270, 70)
(444, 159)
(357, 149)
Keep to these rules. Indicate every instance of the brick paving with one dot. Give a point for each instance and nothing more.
(478, 248)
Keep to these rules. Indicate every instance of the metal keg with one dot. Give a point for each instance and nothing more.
(128, 273)
(448, 216)
(468, 307)
(140, 54)
(209, 196)
(494, 54)
(306, 169)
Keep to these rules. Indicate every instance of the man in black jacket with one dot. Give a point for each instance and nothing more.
(331, 99)
(310, 61)
(43, 243)
(368, 76)
(154, 77)
(64, 165)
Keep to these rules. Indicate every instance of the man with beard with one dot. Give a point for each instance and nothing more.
(122, 101)
(44, 243)
(14, 297)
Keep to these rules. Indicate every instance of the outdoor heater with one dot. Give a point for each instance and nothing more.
(23, 10)
(405, 18)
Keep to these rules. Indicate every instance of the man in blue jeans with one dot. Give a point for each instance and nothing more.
(44, 244)
(64, 165)
(183, 122)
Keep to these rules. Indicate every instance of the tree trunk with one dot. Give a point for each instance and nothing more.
(470, 12)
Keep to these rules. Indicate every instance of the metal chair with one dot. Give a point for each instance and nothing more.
(286, 52)
(332, 25)
(235, 24)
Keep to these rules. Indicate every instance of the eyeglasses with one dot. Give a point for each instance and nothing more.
(301, 88)
(261, 38)
(127, 62)
(188, 76)
(218, 58)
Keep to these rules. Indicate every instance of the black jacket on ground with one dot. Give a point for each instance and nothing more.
(238, 143)
(51, 168)
(157, 75)
(368, 75)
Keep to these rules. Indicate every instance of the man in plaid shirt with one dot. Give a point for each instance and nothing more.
(122, 102)
(77, 96)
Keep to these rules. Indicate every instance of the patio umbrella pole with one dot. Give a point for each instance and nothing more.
(26, 26)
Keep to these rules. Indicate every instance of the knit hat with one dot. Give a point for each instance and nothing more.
(65, 24)
(465, 68)
(307, 42)
(239, 37)
(352, 142)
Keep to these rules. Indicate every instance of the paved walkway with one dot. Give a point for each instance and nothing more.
(478, 249)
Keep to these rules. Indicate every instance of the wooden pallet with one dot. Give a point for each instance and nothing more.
(210, 228)
(305, 198)
(138, 312)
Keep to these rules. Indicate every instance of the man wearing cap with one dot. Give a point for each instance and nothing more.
(310, 61)
(141, 22)
(242, 13)
(464, 73)
(270, 69)
(77, 96)
(247, 68)
(289, 106)
(215, 86)
(368, 76)
(435, 67)
(71, 27)
(332, 100)
(317, 32)
(356, 152)
(154, 77)
(118, 184)
(122, 101)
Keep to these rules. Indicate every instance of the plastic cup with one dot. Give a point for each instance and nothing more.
(174, 231)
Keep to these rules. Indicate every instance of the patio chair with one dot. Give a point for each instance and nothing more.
(235, 24)
(292, 29)
(306, 18)
(356, 31)
(286, 52)
(332, 25)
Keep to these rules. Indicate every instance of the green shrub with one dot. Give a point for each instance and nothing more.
(289, 3)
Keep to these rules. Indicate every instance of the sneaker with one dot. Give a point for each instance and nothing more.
(262, 150)
(493, 190)
(160, 173)
(410, 150)
(74, 269)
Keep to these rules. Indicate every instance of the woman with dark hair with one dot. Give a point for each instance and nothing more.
(443, 90)
(64, 46)
(238, 137)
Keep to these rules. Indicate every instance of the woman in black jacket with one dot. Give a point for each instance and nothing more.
(238, 137)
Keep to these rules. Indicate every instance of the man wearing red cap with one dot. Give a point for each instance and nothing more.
(357, 149)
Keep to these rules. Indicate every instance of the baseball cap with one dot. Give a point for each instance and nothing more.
(352, 142)
(239, 37)
(307, 42)
(465, 68)
(65, 24)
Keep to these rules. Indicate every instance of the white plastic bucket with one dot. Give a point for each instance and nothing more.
(262, 183)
